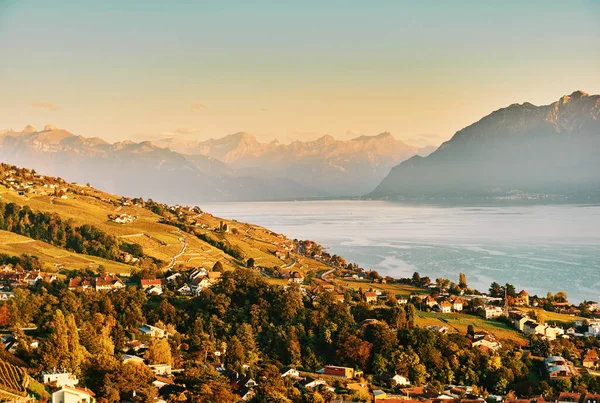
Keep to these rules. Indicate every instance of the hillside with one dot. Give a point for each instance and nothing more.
(159, 235)
(521, 151)
(271, 299)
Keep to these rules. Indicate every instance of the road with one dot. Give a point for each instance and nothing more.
(288, 265)
(178, 255)
(327, 273)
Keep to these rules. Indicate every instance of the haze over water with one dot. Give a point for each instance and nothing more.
(539, 248)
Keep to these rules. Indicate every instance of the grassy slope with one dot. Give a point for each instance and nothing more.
(15, 245)
(457, 322)
(398, 289)
(159, 240)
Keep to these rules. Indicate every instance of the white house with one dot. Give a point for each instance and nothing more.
(289, 372)
(400, 380)
(68, 394)
(493, 312)
(153, 331)
(59, 378)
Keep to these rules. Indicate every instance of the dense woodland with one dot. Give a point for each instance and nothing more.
(260, 325)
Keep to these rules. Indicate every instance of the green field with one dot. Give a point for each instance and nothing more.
(457, 322)
(398, 289)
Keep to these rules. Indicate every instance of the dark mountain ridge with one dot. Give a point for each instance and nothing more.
(523, 149)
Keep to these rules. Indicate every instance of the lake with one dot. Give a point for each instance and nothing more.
(538, 248)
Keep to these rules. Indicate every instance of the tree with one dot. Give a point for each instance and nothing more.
(159, 352)
(218, 266)
(462, 280)
(250, 263)
(235, 354)
(411, 313)
(560, 296)
(61, 349)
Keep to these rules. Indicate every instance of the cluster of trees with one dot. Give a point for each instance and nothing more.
(264, 326)
(23, 262)
(259, 324)
(51, 228)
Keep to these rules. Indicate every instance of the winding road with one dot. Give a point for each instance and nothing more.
(178, 255)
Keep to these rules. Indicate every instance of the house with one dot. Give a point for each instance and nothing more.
(296, 277)
(522, 299)
(439, 329)
(591, 306)
(370, 297)
(289, 372)
(594, 329)
(486, 342)
(185, 290)
(108, 282)
(519, 321)
(553, 332)
(343, 372)
(59, 378)
(149, 283)
(173, 277)
(161, 381)
(153, 331)
(394, 379)
(590, 359)
(557, 367)
(457, 304)
(379, 395)
(532, 327)
(69, 394)
(402, 300)
(122, 219)
(310, 383)
(161, 369)
(445, 307)
(430, 301)
(81, 284)
(154, 290)
(493, 312)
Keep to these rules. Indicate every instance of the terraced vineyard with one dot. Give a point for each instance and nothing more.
(13, 381)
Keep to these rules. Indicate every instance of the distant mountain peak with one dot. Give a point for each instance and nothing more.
(29, 129)
(50, 128)
(380, 136)
(579, 94)
(325, 139)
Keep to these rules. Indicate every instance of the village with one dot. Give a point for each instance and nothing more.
(387, 387)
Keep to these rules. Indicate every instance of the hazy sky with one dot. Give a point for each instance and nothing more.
(287, 70)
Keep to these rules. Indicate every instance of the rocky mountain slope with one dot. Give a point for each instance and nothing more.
(521, 151)
(234, 168)
(342, 168)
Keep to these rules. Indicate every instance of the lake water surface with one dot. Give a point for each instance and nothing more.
(539, 248)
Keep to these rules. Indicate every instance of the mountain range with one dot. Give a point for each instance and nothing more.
(234, 168)
(329, 166)
(520, 151)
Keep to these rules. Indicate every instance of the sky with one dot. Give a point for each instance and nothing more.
(287, 70)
